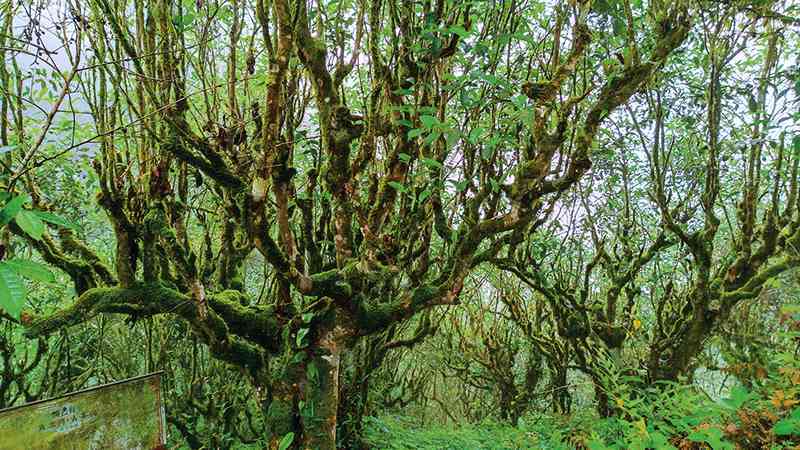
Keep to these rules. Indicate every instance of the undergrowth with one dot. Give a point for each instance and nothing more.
(765, 415)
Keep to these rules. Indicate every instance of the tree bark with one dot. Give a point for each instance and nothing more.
(305, 401)
(353, 390)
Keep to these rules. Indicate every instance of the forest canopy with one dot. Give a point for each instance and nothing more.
(341, 223)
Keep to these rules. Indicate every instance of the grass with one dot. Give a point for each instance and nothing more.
(401, 433)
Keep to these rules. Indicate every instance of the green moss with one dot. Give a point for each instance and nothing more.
(141, 300)
(280, 416)
(258, 324)
(241, 353)
(137, 300)
(236, 282)
(330, 283)
(373, 315)
(234, 333)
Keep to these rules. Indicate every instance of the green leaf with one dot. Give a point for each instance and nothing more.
(475, 134)
(298, 357)
(786, 427)
(459, 30)
(416, 132)
(32, 270)
(30, 223)
(520, 101)
(711, 436)
(658, 440)
(431, 163)
(492, 79)
(397, 186)
(182, 22)
(428, 121)
(432, 137)
(451, 137)
(405, 157)
(424, 195)
(467, 101)
(12, 208)
(596, 445)
(301, 335)
(312, 372)
(12, 291)
(739, 396)
(306, 409)
(286, 441)
(54, 219)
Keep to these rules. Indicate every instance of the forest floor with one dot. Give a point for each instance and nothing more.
(744, 429)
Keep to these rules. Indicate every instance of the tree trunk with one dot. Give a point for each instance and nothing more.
(673, 359)
(306, 399)
(322, 391)
(506, 402)
(604, 407)
(562, 400)
(353, 390)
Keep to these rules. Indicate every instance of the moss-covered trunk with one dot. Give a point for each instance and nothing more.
(305, 399)
(561, 398)
(319, 414)
(603, 404)
(353, 390)
(669, 360)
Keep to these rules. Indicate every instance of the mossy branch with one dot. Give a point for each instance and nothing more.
(210, 163)
(374, 316)
(83, 274)
(619, 88)
(227, 328)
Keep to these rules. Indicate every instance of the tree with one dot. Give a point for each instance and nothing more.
(663, 260)
(373, 153)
